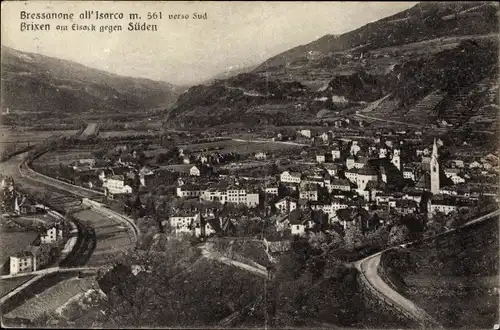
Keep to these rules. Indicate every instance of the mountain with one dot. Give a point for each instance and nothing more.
(424, 21)
(431, 63)
(38, 86)
(230, 72)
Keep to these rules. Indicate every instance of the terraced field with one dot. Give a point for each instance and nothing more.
(52, 298)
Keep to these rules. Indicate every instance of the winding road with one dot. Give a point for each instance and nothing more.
(368, 268)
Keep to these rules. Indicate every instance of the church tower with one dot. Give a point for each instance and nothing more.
(396, 160)
(434, 168)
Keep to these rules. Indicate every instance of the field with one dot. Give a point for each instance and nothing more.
(9, 284)
(126, 133)
(237, 147)
(62, 157)
(12, 242)
(52, 298)
(34, 221)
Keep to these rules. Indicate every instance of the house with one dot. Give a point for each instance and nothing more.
(351, 175)
(340, 184)
(186, 160)
(475, 164)
(382, 153)
(194, 171)
(286, 205)
(325, 137)
(290, 177)
(320, 158)
(305, 132)
(22, 262)
(361, 162)
(309, 193)
(51, 235)
(206, 227)
(355, 148)
(298, 222)
(336, 153)
(408, 174)
(272, 190)
(406, 206)
(458, 163)
(189, 191)
(350, 162)
(447, 205)
(332, 169)
(260, 156)
(115, 185)
(182, 222)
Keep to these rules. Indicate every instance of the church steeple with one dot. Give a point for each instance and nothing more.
(434, 168)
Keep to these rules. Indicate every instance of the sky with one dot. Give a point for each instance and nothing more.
(185, 51)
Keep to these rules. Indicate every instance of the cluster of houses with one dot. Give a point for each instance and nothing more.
(37, 256)
(371, 178)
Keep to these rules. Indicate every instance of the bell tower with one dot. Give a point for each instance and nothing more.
(434, 169)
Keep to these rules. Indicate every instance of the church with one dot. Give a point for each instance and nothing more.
(430, 172)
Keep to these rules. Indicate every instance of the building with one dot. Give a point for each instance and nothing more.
(336, 153)
(408, 174)
(365, 175)
(339, 184)
(189, 191)
(271, 190)
(351, 175)
(231, 195)
(396, 160)
(290, 177)
(332, 169)
(51, 235)
(194, 171)
(116, 185)
(182, 222)
(260, 156)
(309, 193)
(350, 162)
(434, 168)
(320, 158)
(305, 132)
(429, 180)
(22, 262)
(286, 205)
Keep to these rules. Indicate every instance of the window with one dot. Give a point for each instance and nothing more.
(297, 227)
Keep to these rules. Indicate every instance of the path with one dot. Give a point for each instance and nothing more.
(207, 253)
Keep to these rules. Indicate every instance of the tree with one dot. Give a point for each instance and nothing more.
(354, 237)
(398, 234)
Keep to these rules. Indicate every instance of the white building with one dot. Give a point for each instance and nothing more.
(194, 171)
(409, 174)
(116, 185)
(272, 190)
(364, 176)
(351, 175)
(286, 205)
(320, 158)
(22, 263)
(305, 132)
(349, 162)
(309, 194)
(189, 191)
(52, 235)
(182, 223)
(290, 177)
(335, 153)
(260, 156)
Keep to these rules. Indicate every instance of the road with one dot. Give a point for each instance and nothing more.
(388, 121)
(368, 270)
(271, 141)
(206, 252)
